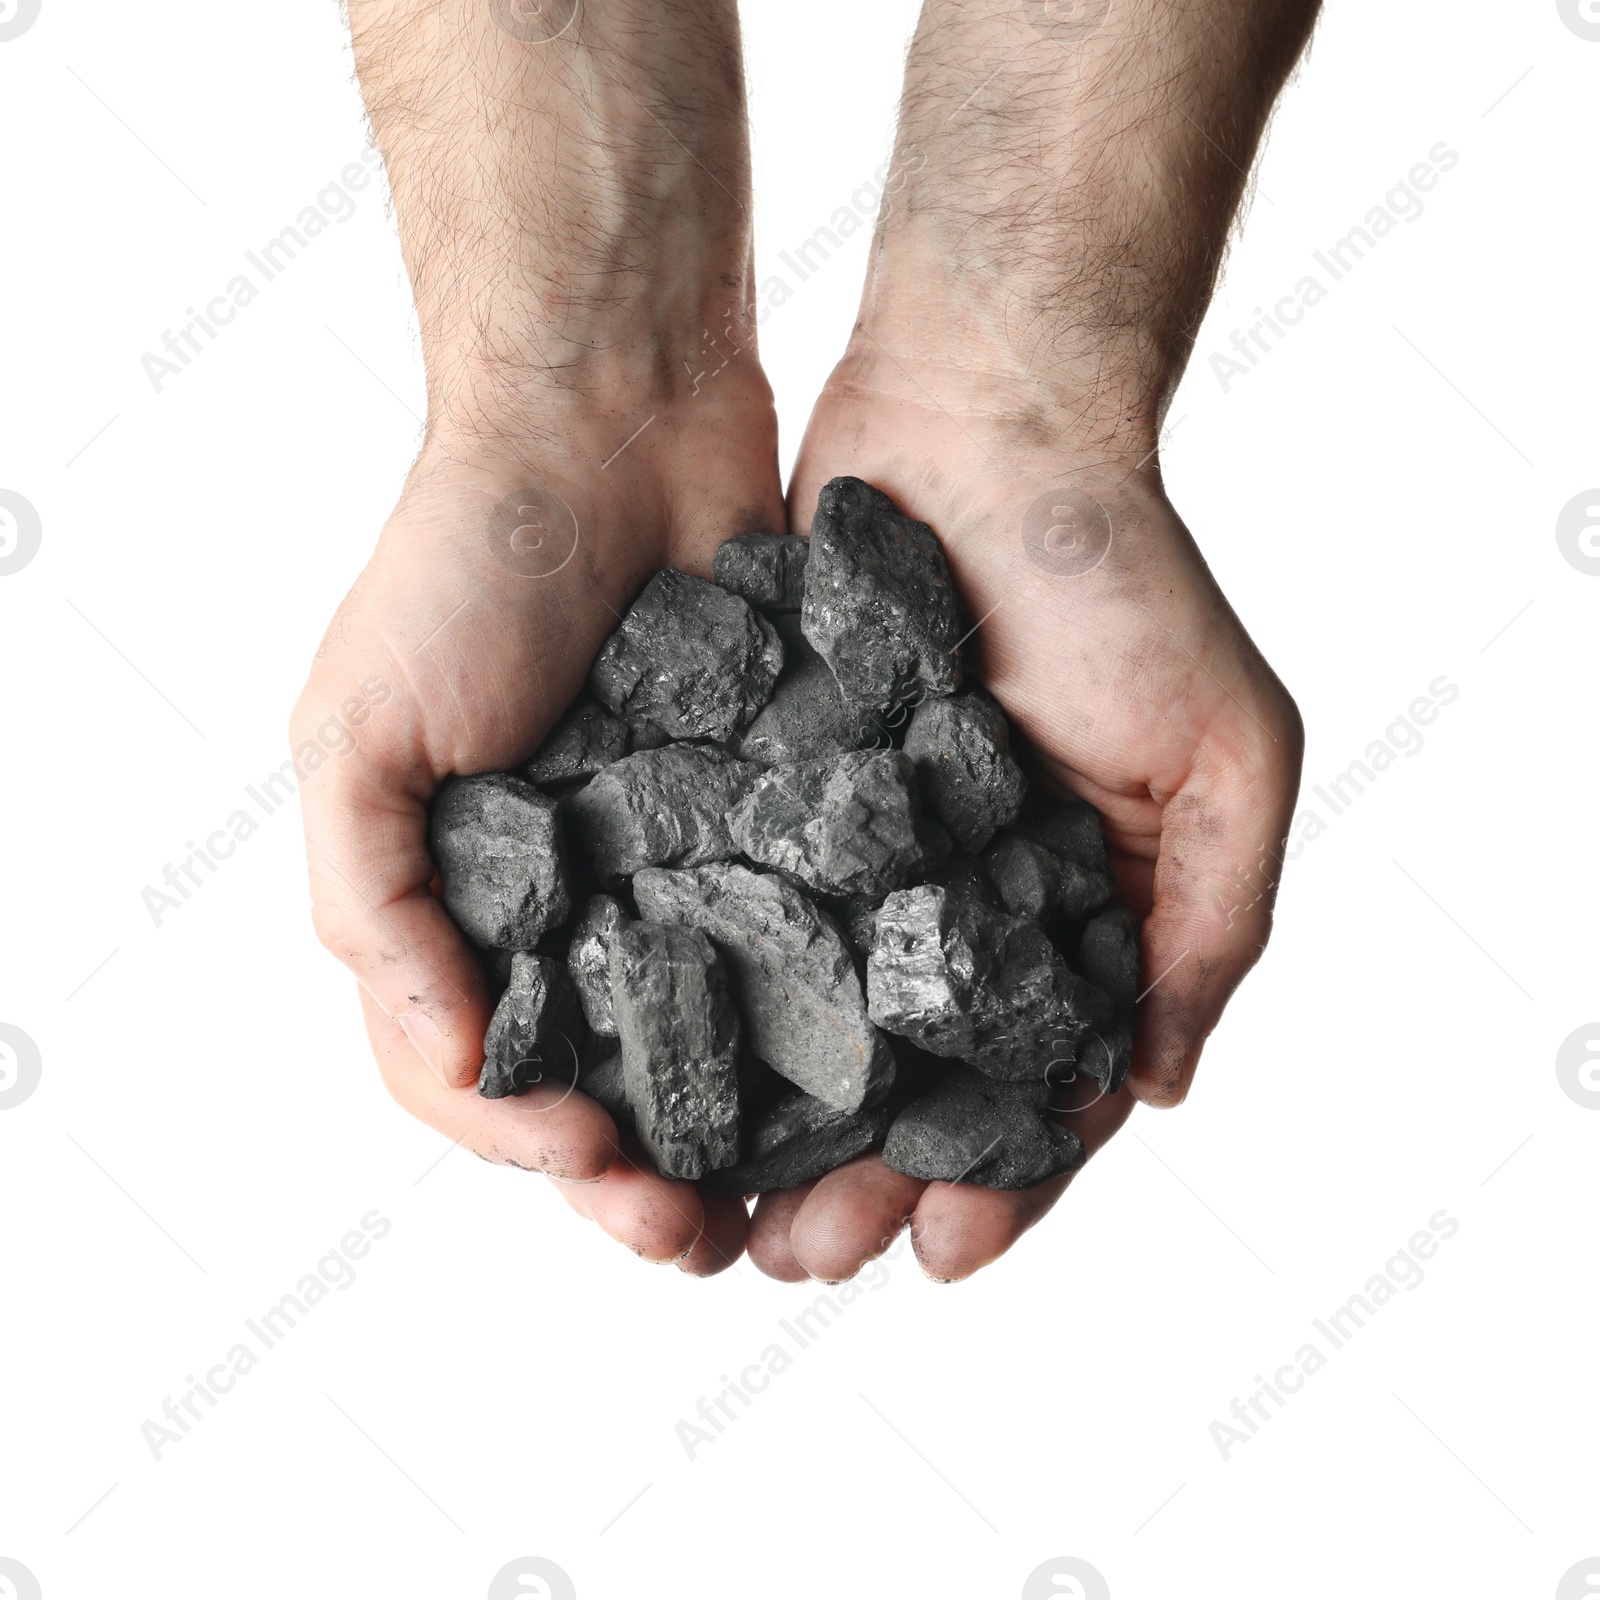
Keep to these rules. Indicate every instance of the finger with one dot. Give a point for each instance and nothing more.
(851, 1217)
(366, 820)
(960, 1227)
(657, 1218)
(721, 1241)
(550, 1129)
(768, 1244)
(1216, 880)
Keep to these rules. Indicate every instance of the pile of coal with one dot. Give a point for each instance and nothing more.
(776, 891)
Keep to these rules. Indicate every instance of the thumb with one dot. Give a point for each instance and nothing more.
(366, 816)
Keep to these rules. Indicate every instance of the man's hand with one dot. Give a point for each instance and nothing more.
(574, 217)
(1028, 311)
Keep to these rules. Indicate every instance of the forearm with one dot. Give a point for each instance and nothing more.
(573, 213)
(1080, 189)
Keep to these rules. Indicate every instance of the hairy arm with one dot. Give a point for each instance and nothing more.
(571, 188)
(1077, 167)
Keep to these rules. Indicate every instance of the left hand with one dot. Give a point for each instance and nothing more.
(1134, 685)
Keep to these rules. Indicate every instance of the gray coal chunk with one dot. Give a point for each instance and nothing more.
(589, 960)
(879, 605)
(960, 980)
(961, 747)
(970, 1129)
(692, 658)
(767, 569)
(793, 977)
(680, 1043)
(537, 1033)
(808, 717)
(850, 825)
(666, 807)
(1105, 1054)
(605, 1083)
(499, 847)
(799, 1139)
(586, 739)
(1034, 882)
(1108, 955)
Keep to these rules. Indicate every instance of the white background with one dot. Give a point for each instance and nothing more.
(1379, 499)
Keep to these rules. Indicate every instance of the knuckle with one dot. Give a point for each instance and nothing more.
(335, 931)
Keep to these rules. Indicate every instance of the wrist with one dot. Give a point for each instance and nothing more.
(1010, 347)
(552, 365)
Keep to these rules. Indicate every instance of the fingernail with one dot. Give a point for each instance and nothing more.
(423, 1033)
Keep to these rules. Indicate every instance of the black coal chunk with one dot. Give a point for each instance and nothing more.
(808, 717)
(962, 750)
(846, 826)
(643, 734)
(1105, 1054)
(496, 964)
(858, 918)
(586, 739)
(1067, 828)
(1108, 955)
(964, 877)
(767, 569)
(605, 1082)
(692, 658)
(498, 845)
(666, 807)
(879, 606)
(1036, 883)
(961, 980)
(680, 1042)
(793, 976)
(760, 1088)
(799, 1139)
(589, 960)
(537, 1033)
(1052, 861)
(970, 1129)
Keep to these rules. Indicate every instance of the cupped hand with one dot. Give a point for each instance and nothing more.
(494, 582)
(1098, 627)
